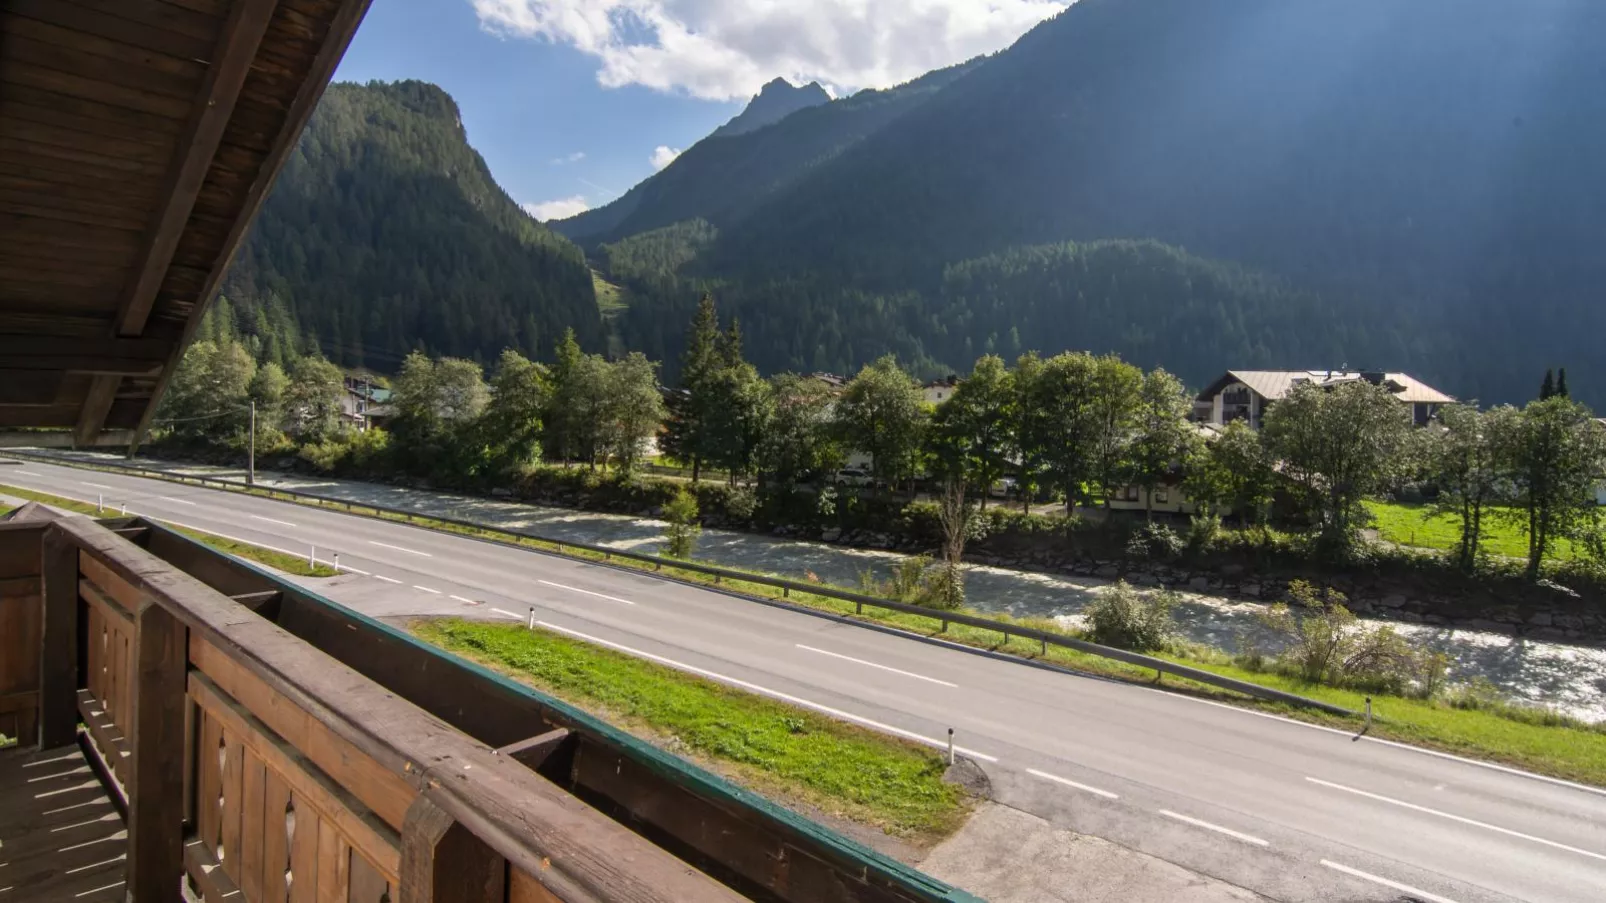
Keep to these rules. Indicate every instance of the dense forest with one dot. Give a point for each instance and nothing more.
(386, 234)
(1415, 186)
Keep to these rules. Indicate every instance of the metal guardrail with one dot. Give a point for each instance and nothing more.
(860, 600)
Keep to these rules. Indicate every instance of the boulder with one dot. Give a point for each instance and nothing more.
(1542, 619)
(1231, 570)
(1394, 600)
(831, 534)
(1107, 571)
(1252, 590)
(1199, 584)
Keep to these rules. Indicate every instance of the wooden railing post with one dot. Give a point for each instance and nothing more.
(443, 862)
(156, 737)
(58, 660)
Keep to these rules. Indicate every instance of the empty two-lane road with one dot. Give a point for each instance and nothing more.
(1291, 811)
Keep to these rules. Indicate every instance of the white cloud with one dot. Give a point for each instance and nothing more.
(562, 208)
(727, 49)
(663, 155)
(575, 157)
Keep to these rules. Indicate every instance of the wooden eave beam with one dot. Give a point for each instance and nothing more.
(342, 27)
(215, 100)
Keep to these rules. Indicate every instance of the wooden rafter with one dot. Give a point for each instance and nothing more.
(214, 105)
(341, 29)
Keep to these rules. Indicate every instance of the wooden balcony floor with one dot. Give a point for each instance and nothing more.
(61, 839)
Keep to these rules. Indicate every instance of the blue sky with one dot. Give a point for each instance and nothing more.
(574, 101)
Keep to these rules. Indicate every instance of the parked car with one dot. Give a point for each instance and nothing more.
(853, 476)
(1005, 488)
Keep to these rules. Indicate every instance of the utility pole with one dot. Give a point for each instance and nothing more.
(251, 454)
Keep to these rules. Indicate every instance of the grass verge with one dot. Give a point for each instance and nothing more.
(1528, 738)
(290, 564)
(783, 750)
(1423, 527)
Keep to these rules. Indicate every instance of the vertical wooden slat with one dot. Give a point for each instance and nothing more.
(275, 838)
(155, 729)
(233, 788)
(304, 855)
(208, 782)
(251, 828)
(367, 884)
(443, 862)
(334, 857)
(58, 661)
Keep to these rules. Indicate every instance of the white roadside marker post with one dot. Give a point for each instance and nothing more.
(950, 746)
(532, 617)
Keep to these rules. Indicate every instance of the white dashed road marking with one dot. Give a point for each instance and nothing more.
(574, 589)
(386, 545)
(508, 614)
(269, 520)
(426, 589)
(1070, 783)
(861, 661)
(386, 579)
(1416, 894)
(1199, 823)
(168, 498)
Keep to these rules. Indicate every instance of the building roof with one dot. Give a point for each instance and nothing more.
(1274, 384)
(140, 140)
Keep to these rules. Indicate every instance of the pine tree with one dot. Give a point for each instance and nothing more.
(688, 433)
(1547, 389)
(1561, 384)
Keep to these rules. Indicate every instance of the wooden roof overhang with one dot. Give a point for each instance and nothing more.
(137, 140)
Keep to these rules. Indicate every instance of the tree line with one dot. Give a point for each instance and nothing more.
(1074, 428)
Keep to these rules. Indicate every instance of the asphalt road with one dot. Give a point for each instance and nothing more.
(1288, 810)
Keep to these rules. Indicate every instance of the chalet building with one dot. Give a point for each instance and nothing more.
(1246, 394)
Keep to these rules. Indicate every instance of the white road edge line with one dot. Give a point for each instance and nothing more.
(575, 589)
(1415, 892)
(27, 473)
(1457, 818)
(386, 545)
(1070, 783)
(97, 485)
(355, 570)
(463, 600)
(508, 614)
(860, 661)
(168, 498)
(386, 579)
(773, 694)
(426, 589)
(1200, 823)
(282, 523)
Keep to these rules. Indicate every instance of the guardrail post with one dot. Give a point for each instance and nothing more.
(156, 736)
(443, 862)
(858, 607)
(786, 592)
(944, 626)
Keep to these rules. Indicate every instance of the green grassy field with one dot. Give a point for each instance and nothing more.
(773, 747)
(1420, 526)
(611, 299)
(290, 564)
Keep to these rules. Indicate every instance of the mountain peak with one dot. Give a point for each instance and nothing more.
(775, 101)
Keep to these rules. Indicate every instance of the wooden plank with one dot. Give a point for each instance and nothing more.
(537, 751)
(214, 104)
(115, 617)
(442, 862)
(208, 875)
(58, 676)
(367, 884)
(144, 58)
(156, 798)
(334, 866)
(251, 823)
(110, 584)
(275, 838)
(101, 19)
(74, 59)
(233, 776)
(15, 72)
(314, 790)
(209, 758)
(522, 888)
(377, 788)
(92, 416)
(304, 852)
(106, 736)
(315, 78)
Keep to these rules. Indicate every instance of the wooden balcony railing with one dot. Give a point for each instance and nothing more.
(269, 746)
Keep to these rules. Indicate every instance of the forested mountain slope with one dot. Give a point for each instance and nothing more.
(386, 233)
(724, 177)
(1431, 176)
(775, 101)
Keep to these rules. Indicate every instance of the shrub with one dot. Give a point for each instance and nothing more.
(1202, 532)
(370, 450)
(327, 455)
(681, 533)
(1127, 619)
(1154, 541)
(1323, 644)
(917, 580)
(741, 503)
